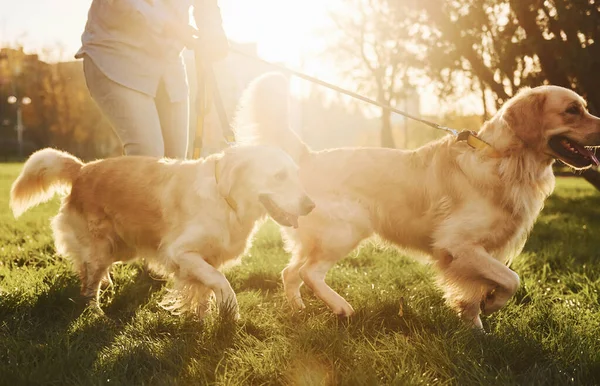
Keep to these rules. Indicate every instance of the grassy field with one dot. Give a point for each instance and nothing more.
(548, 334)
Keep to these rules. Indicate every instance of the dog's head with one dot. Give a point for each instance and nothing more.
(554, 121)
(265, 176)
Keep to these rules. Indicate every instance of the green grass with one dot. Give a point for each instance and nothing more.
(549, 333)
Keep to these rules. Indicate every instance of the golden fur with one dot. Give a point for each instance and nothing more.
(175, 214)
(469, 210)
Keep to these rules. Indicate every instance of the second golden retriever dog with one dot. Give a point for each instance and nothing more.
(186, 218)
(469, 210)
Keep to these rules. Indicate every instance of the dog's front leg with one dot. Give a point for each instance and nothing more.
(193, 266)
(475, 281)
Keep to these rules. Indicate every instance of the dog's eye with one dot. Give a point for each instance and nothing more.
(574, 110)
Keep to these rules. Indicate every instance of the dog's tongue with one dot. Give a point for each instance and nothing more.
(585, 151)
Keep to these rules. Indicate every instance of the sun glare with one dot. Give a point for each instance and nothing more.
(290, 32)
(285, 31)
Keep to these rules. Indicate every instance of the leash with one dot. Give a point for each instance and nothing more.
(207, 83)
(207, 87)
(464, 135)
(225, 127)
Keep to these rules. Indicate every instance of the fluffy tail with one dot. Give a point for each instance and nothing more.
(263, 116)
(46, 172)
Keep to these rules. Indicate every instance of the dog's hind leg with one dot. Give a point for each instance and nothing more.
(321, 241)
(96, 265)
(313, 273)
(90, 254)
(292, 280)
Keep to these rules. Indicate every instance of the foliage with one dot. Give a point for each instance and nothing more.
(61, 113)
(372, 47)
(503, 45)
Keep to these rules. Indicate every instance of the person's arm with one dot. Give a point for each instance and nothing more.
(209, 39)
(213, 42)
(141, 10)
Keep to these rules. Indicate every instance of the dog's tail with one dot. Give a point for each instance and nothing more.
(45, 173)
(263, 116)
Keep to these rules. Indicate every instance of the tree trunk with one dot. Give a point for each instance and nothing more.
(406, 123)
(526, 12)
(387, 139)
(485, 114)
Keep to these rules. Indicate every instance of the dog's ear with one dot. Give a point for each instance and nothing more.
(525, 116)
(227, 172)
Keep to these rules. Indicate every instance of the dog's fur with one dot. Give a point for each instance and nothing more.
(469, 210)
(173, 213)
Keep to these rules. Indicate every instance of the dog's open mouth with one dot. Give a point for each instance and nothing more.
(572, 153)
(279, 215)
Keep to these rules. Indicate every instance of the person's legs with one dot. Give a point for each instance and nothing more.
(132, 114)
(174, 120)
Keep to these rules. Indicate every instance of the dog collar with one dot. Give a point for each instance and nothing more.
(230, 201)
(476, 143)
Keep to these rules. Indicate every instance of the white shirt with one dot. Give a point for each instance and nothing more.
(125, 40)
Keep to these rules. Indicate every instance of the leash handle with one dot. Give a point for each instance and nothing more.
(207, 86)
(228, 134)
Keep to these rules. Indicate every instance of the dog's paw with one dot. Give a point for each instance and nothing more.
(92, 307)
(296, 303)
(343, 310)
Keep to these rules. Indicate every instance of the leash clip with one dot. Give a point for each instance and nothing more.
(464, 135)
(475, 142)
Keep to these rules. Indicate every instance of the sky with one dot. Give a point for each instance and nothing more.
(285, 31)
(282, 28)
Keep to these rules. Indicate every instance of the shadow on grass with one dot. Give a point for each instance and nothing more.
(57, 324)
(127, 298)
(566, 233)
(438, 342)
(262, 281)
(131, 342)
(163, 350)
(587, 209)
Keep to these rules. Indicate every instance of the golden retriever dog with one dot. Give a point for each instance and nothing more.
(469, 210)
(186, 218)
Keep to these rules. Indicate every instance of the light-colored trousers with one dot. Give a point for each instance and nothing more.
(145, 125)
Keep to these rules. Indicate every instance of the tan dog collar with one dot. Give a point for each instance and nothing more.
(477, 143)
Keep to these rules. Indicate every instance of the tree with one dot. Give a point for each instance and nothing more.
(372, 49)
(501, 46)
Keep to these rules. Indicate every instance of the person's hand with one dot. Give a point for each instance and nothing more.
(210, 48)
(184, 33)
(212, 42)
